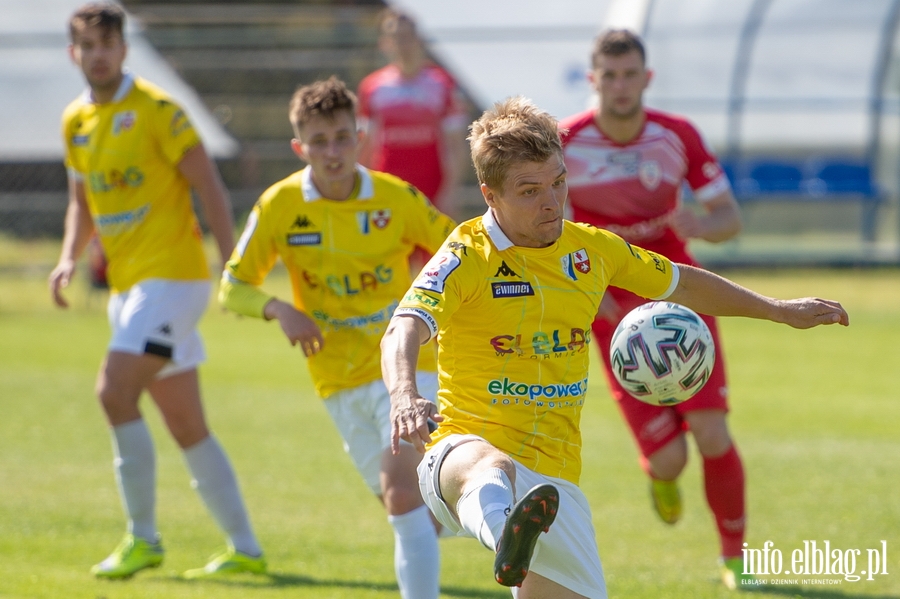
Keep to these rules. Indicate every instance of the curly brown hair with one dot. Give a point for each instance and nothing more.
(323, 98)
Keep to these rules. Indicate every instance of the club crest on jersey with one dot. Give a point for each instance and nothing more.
(123, 121)
(576, 262)
(366, 219)
(650, 174)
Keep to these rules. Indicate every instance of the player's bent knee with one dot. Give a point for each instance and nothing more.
(400, 499)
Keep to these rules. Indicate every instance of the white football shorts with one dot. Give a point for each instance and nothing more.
(363, 417)
(567, 555)
(159, 317)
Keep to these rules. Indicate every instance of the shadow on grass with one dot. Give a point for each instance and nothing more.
(811, 592)
(279, 579)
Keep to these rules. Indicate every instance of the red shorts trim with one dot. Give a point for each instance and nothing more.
(655, 426)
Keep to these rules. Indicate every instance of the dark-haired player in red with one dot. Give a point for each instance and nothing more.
(627, 165)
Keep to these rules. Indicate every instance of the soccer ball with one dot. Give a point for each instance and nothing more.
(662, 353)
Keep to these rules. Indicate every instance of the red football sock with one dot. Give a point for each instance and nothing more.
(724, 482)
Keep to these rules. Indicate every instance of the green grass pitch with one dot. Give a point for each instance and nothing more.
(816, 415)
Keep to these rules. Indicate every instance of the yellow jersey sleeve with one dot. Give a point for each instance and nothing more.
(175, 132)
(427, 227)
(255, 253)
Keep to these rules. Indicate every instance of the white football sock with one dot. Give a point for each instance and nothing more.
(214, 479)
(135, 467)
(484, 504)
(416, 556)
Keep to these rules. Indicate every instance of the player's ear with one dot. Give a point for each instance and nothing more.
(297, 147)
(488, 195)
(649, 78)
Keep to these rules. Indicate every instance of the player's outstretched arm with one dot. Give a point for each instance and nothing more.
(708, 293)
(410, 412)
(204, 177)
(78, 229)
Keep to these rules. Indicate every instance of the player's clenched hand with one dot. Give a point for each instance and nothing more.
(409, 421)
(299, 328)
(808, 312)
(59, 279)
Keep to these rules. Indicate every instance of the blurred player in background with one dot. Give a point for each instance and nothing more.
(413, 116)
(511, 297)
(345, 234)
(133, 157)
(627, 164)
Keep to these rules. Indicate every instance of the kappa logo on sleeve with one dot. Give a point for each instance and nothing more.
(434, 275)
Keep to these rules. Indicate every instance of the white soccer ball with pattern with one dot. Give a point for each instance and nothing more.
(662, 353)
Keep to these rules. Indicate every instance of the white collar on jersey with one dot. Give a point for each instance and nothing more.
(124, 88)
(311, 194)
(495, 232)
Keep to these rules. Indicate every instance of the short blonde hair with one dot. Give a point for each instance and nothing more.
(512, 131)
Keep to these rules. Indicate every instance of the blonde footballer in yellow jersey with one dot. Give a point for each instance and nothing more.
(526, 369)
(345, 234)
(133, 157)
(511, 297)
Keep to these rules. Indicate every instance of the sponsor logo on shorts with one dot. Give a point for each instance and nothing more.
(304, 239)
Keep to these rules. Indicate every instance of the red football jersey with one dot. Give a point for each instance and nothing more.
(631, 188)
(408, 117)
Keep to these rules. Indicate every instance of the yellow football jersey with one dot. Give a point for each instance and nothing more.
(127, 152)
(514, 332)
(347, 260)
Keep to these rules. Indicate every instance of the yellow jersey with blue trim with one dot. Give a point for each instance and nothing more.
(514, 332)
(126, 153)
(348, 262)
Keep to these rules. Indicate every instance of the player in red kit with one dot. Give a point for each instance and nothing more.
(627, 165)
(413, 116)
